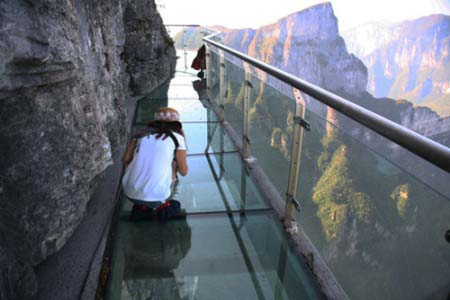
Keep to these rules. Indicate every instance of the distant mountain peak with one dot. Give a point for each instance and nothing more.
(317, 22)
(408, 60)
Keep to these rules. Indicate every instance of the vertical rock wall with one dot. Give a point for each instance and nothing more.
(67, 70)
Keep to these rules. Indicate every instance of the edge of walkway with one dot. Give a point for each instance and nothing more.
(72, 273)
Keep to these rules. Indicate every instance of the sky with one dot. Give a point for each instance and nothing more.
(256, 13)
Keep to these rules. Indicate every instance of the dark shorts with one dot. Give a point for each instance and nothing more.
(150, 204)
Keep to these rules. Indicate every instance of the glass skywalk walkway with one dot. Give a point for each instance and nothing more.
(374, 217)
(230, 244)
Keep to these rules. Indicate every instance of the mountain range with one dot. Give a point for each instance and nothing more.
(408, 60)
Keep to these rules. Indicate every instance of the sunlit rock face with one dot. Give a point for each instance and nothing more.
(65, 70)
(408, 60)
(308, 45)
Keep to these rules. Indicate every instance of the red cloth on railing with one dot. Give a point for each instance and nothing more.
(199, 62)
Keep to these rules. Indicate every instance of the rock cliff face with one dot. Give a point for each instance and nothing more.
(308, 45)
(67, 71)
(402, 58)
(301, 42)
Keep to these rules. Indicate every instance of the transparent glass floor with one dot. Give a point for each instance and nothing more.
(191, 110)
(202, 138)
(207, 257)
(227, 243)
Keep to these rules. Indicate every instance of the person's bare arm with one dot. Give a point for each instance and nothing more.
(180, 156)
(128, 155)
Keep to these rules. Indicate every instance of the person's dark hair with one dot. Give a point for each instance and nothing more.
(162, 129)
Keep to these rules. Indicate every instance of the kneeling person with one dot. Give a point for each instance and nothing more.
(152, 163)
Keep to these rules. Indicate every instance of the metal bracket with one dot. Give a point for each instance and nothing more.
(294, 201)
(302, 122)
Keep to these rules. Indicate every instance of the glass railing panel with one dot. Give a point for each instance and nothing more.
(380, 228)
(281, 273)
(271, 120)
(184, 91)
(362, 196)
(194, 258)
(214, 90)
(233, 97)
(217, 139)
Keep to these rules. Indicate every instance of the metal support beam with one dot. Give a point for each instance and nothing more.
(300, 110)
(243, 189)
(245, 125)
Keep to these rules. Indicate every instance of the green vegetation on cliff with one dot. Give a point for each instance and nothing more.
(336, 197)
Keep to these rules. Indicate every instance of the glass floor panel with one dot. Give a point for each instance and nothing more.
(201, 135)
(207, 136)
(193, 110)
(183, 81)
(184, 60)
(210, 188)
(190, 110)
(206, 257)
(182, 92)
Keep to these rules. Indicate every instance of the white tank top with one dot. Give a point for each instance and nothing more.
(149, 175)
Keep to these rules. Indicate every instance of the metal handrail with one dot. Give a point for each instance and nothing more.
(433, 152)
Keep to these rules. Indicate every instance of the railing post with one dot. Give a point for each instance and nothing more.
(299, 124)
(208, 67)
(245, 125)
(184, 48)
(243, 189)
(185, 57)
(222, 86)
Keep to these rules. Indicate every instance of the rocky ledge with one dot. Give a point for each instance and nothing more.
(67, 73)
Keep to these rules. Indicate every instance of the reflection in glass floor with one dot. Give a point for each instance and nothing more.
(228, 245)
(207, 257)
